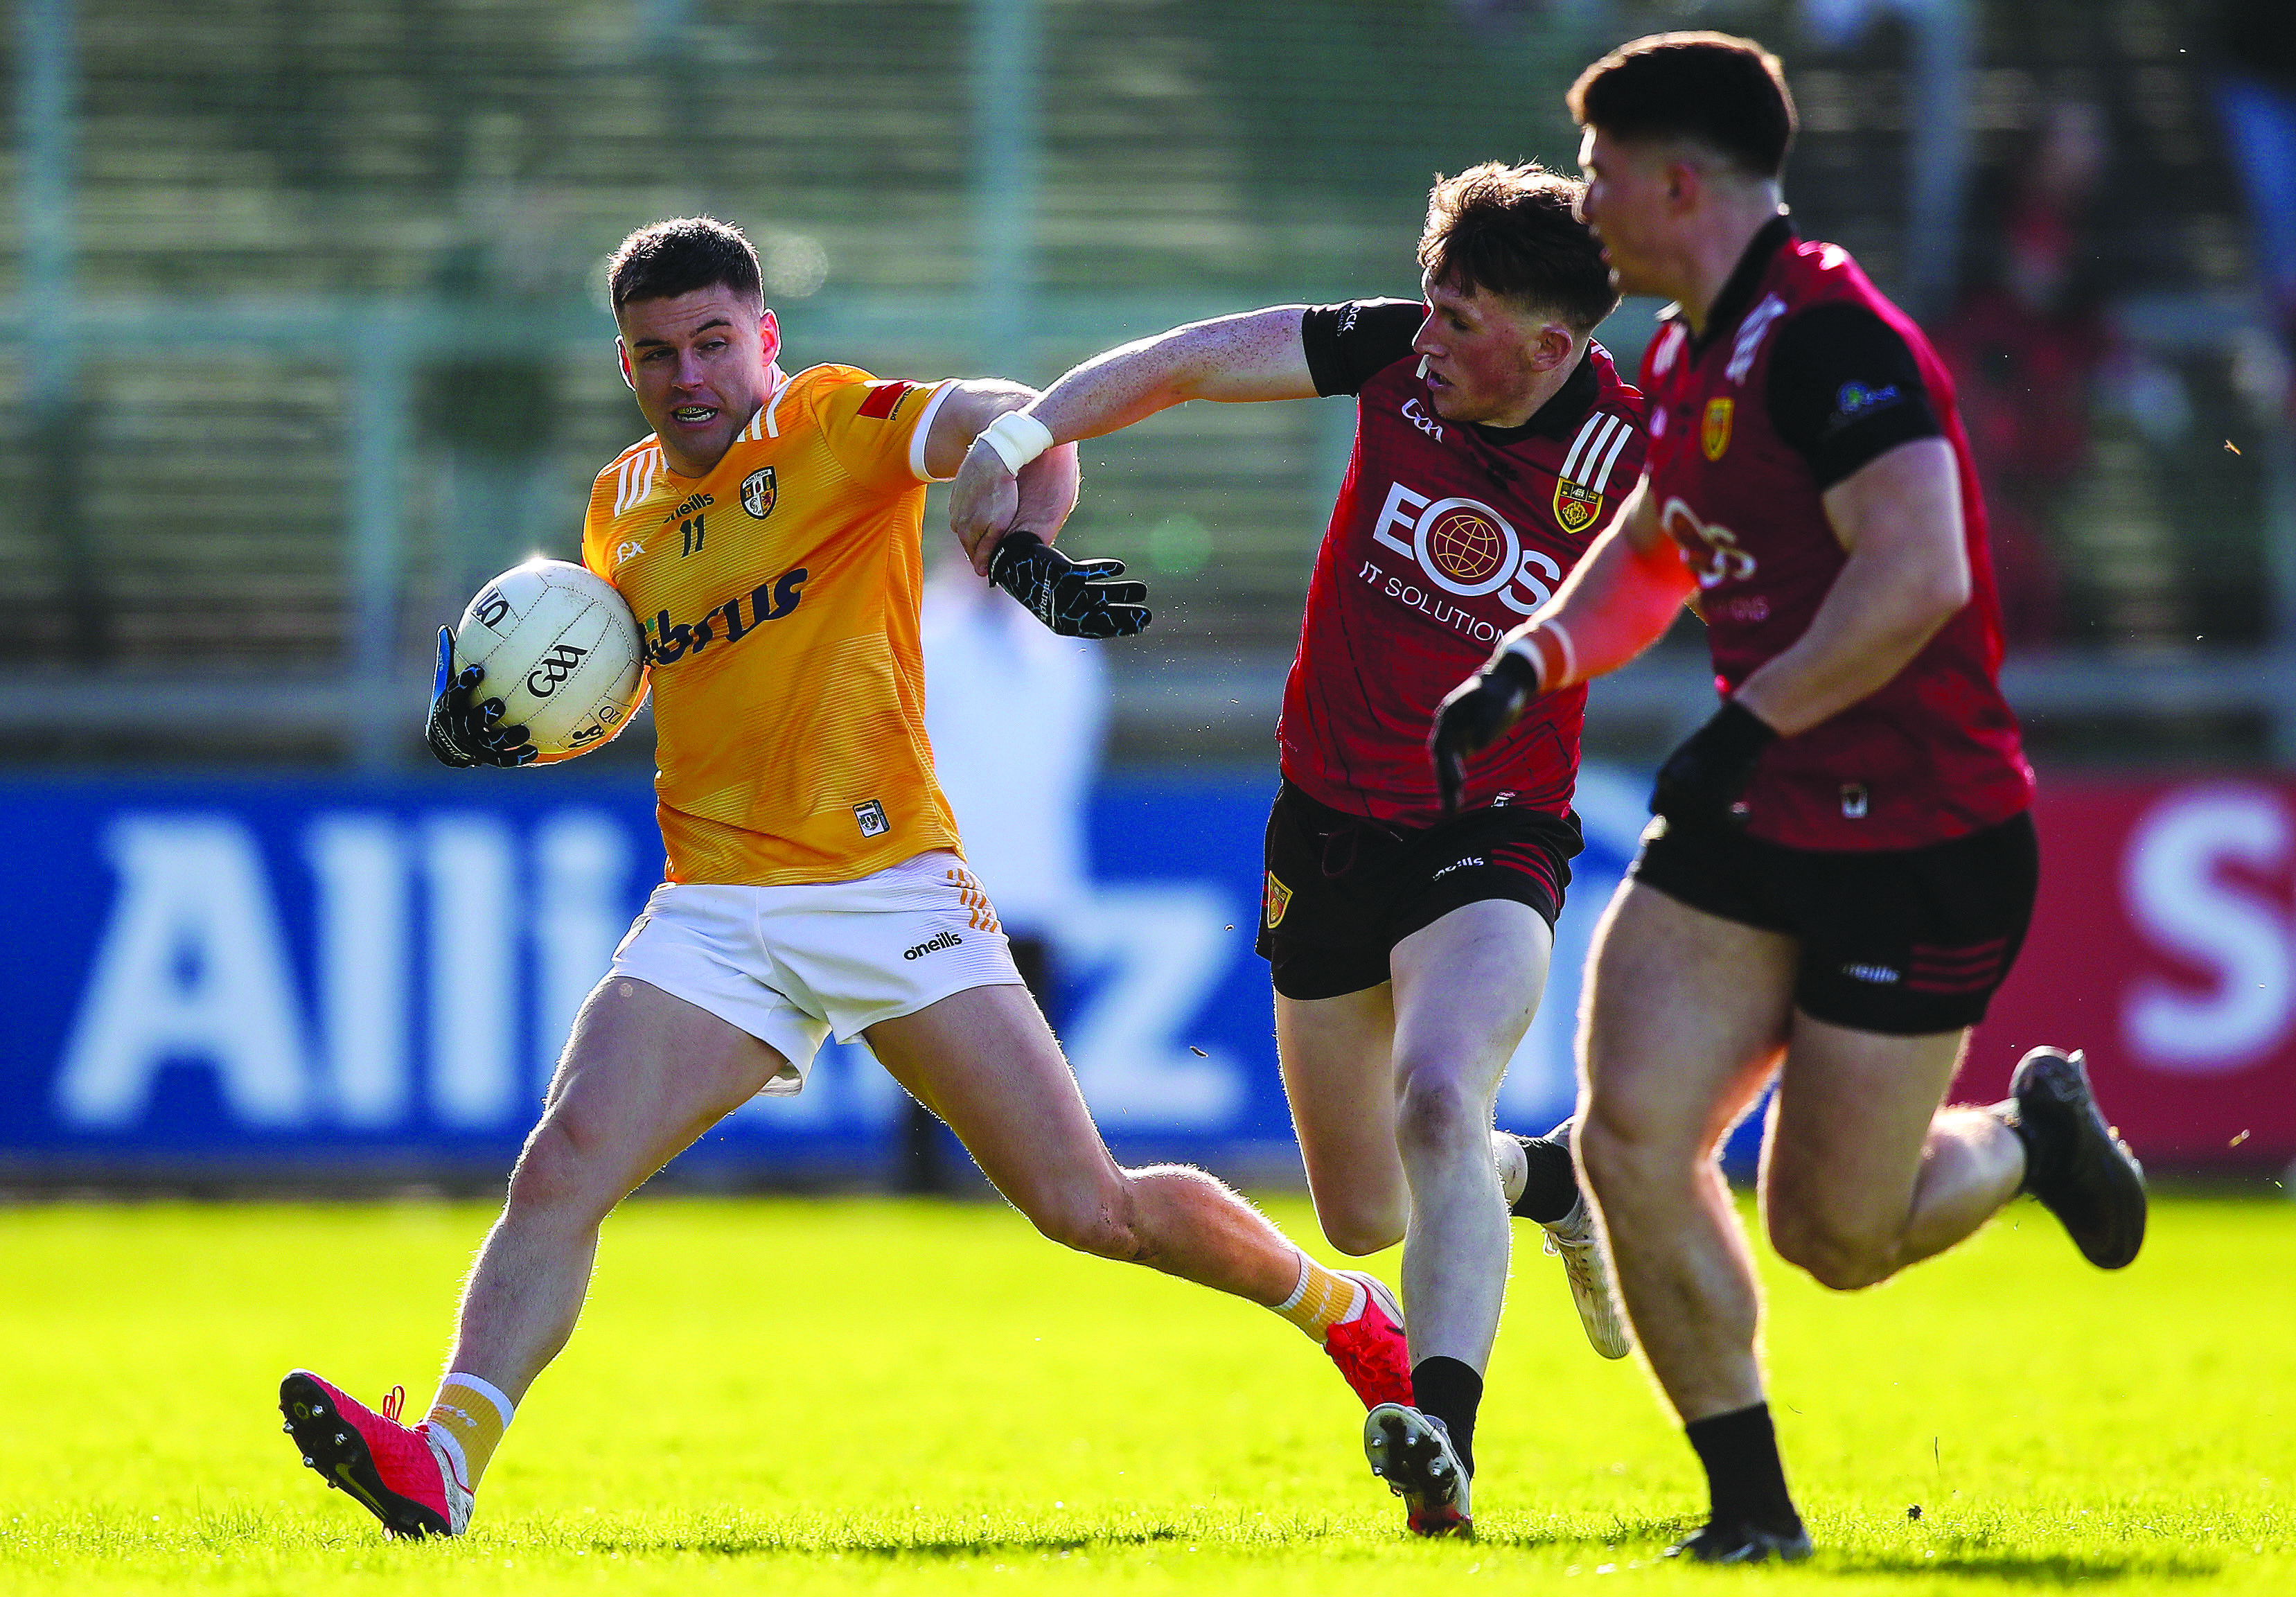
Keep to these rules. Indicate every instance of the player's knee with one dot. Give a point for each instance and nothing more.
(1091, 1217)
(1438, 1111)
(1613, 1152)
(1356, 1231)
(558, 1173)
(1833, 1256)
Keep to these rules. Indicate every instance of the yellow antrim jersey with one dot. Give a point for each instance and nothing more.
(779, 596)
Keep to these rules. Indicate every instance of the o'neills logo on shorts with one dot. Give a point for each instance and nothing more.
(947, 939)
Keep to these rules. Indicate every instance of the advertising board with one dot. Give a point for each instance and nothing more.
(315, 976)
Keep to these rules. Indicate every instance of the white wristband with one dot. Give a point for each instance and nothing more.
(1017, 439)
(1547, 647)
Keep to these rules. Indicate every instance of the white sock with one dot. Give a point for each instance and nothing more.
(1514, 1166)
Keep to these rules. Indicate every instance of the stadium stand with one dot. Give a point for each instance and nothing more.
(263, 184)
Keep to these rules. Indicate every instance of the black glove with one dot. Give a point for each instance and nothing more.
(1076, 598)
(1475, 715)
(464, 734)
(1700, 781)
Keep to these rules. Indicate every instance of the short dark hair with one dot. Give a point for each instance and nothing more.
(1515, 230)
(1727, 93)
(681, 256)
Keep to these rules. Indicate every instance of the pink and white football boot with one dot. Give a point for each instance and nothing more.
(400, 1473)
(1369, 1349)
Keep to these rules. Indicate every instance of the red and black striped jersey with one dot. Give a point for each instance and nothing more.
(1446, 534)
(1806, 373)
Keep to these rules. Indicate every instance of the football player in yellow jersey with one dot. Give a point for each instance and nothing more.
(768, 533)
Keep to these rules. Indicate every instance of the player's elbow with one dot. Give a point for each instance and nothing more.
(1947, 589)
(1927, 588)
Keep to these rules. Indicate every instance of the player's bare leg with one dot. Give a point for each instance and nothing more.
(1466, 990)
(1686, 1016)
(1338, 1058)
(1862, 1173)
(643, 1074)
(1392, 1091)
(985, 1062)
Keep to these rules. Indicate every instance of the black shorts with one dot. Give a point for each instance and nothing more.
(1340, 891)
(1906, 942)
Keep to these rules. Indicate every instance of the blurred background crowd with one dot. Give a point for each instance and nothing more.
(307, 338)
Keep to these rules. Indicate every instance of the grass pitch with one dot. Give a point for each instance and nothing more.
(878, 1396)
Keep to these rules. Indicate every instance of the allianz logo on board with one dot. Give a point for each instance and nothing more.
(446, 956)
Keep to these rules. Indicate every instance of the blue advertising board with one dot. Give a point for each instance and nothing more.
(330, 974)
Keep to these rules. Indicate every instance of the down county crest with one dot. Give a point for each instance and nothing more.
(1576, 505)
(1714, 437)
(1274, 901)
(758, 493)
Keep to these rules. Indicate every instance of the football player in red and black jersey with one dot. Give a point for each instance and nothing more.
(1842, 866)
(1408, 946)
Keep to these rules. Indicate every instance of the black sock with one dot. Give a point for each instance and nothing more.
(1449, 1389)
(1745, 1481)
(1550, 1186)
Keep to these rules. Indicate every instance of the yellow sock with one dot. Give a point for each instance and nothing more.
(1323, 1299)
(471, 1415)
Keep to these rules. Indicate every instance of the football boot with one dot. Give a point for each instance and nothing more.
(2080, 1171)
(1412, 1452)
(1370, 1349)
(401, 1474)
(1574, 1240)
(1738, 1542)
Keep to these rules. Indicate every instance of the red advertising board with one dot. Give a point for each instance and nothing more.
(2164, 943)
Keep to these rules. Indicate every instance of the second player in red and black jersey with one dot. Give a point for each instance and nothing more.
(1446, 536)
(1408, 951)
(1842, 866)
(1806, 373)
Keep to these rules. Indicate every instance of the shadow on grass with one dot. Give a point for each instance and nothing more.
(923, 1547)
(2028, 1568)
(937, 1542)
(1643, 1540)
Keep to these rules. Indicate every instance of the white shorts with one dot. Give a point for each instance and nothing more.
(791, 964)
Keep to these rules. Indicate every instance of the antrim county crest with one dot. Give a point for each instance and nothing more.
(1714, 437)
(1576, 505)
(758, 493)
(1274, 902)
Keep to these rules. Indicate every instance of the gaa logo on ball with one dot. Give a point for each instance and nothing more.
(561, 650)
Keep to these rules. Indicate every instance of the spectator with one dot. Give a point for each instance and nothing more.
(2024, 344)
(2256, 95)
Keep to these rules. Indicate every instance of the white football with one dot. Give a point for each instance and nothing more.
(562, 651)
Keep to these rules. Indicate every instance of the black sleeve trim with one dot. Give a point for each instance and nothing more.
(1350, 343)
(1845, 389)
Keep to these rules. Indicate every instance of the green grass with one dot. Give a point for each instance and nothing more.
(865, 1397)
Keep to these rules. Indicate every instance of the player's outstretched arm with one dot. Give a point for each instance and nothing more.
(1616, 603)
(1038, 497)
(1081, 599)
(1908, 575)
(1259, 355)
